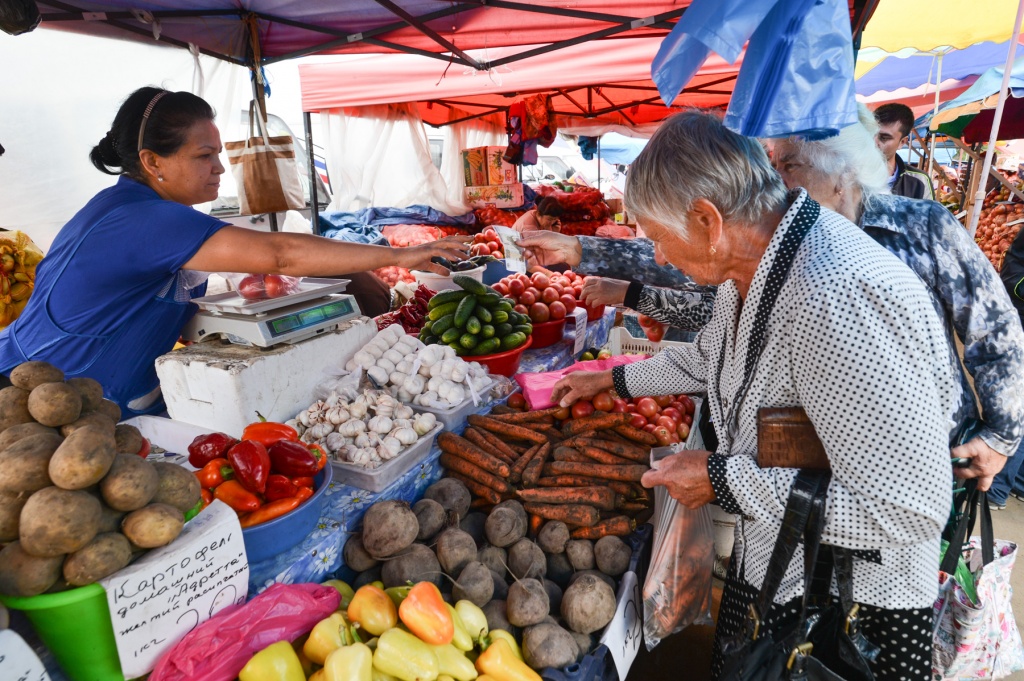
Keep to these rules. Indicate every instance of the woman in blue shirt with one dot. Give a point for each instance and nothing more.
(114, 291)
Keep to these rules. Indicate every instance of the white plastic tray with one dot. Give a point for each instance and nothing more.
(621, 341)
(378, 479)
(454, 418)
(173, 436)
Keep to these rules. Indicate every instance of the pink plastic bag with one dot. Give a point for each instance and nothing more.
(218, 648)
(537, 387)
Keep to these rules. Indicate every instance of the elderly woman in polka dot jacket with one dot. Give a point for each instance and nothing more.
(810, 312)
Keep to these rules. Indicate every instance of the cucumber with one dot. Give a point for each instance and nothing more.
(468, 341)
(505, 304)
(487, 347)
(459, 350)
(473, 325)
(513, 341)
(489, 301)
(483, 314)
(464, 310)
(430, 340)
(470, 284)
(441, 325)
(445, 297)
(499, 316)
(442, 310)
(487, 331)
(523, 328)
(451, 335)
(502, 330)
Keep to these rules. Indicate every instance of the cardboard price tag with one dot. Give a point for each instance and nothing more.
(169, 591)
(18, 662)
(514, 261)
(625, 632)
(579, 316)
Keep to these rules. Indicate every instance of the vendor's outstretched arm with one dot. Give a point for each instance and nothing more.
(236, 249)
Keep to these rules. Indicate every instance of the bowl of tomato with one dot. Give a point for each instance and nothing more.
(546, 334)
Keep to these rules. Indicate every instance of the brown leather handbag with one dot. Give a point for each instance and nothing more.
(786, 439)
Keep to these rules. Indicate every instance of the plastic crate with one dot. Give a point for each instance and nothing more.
(379, 479)
(621, 342)
(454, 418)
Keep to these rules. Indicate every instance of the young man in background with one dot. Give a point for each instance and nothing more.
(895, 122)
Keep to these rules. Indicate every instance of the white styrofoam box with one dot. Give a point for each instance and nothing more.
(173, 436)
(222, 386)
(378, 479)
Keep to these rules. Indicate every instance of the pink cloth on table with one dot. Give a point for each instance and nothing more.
(537, 387)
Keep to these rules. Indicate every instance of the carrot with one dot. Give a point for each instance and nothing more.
(481, 504)
(522, 462)
(457, 446)
(601, 456)
(512, 452)
(610, 434)
(553, 434)
(504, 410)
(508, 430)
(598, 497)
(619, 526)
(535, 523)
(576, 439)
(631, 507)
(274, 509)
(477, 437)
(518, 449)
(459, 465)
(533, 469)
(478, 490)
(595, 422)
(525, 416)
(578, 515)
(636, 435)
(569, 481)
(620, 449)
(624, 488)
(627, 473)
(569, 454)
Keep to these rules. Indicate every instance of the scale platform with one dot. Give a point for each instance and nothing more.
(317, 307)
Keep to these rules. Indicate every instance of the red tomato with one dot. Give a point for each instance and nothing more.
(534, 290)
(673, 439)
(539, 313)
(688, 403)
(618, 405)
(683, 431)
(582, 408)
(525, 279)
(664, 437)
(549, 295)
(678, 406)
(479, 249)
(145, 448)
(501, 288)
(630, 408)
(569, 301)
(645, 321)
(494, 246)
(672, 413)
(557, 310)
(688, 420)
(517, 401)
(663, 400)
(563, 413)
(251, 287)
(667, 422)
(558, 289)
(527, 298)
(655, 333)
(276, 285)
(490, 235)
(541, 280)
(577, 290)
(603, 402)
(647, 407)
(638, 421)
(649, 428)
(521, 309)
(516, 288)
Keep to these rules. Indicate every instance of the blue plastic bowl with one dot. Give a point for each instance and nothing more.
(495, 272)
(280, 534)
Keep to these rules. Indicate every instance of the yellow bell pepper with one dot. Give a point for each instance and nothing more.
(319, 675)
(276, 662)
(379, 584)
(349, 663)
(473, 619)
(508, 638)
(460, 636)
(444, 677)
(378, 675)
(398, 594)
(372, 610)
(328, 635)
(453, 662)
(426, 614)
(342, 588)
(501, 662)
(404, 656)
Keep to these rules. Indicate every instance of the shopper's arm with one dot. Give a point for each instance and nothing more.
(687, 307)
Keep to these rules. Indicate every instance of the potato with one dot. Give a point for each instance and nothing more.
(553, 537)
(355, 556)
(128, 438)
(559, 569)
(612, 555)
(527, 602)
(14, 407)
(451, 494)
(388, 527)
(54, 404)
(56, 521)
(83, 459)
(496, 614)
(111, 409)
(525, 559)
(131, 483)
(90, 390)
(154, 525)
(549, 645)
(110, 520)
(93, 418)
(473, 524)
(474, 584)
(416, 563)
(431, 517)
(588, 604)
(11, 504)
(22, 574)
(103, 556)
(455, 549)
(15, 433)
(504, 527)
(178, 487)
(30, 375)
(25, 465)
(580, 553)
(495, 558)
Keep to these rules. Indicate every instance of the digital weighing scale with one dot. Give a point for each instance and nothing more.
(317, 307)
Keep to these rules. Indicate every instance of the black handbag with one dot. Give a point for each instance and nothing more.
(823, 642)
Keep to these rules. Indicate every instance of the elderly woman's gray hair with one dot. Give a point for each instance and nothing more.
(694, 156)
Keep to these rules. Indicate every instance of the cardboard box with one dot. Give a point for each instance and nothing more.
(485, 166)
(497, 195)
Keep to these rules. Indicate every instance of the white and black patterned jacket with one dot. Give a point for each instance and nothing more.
(853, 338)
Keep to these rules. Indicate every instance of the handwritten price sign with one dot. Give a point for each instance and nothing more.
(624, 634)
(17, 661)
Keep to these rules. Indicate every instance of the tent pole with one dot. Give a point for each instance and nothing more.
(314, 203)
(972, 225)
(931, 145)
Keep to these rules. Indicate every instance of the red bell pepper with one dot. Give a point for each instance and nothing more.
(292, 459)
(252, 465)
(145, 449)
(274, 509)
(279, 487)
(320, 454)
(207, 447)
(268, 433)
(236, 496)
(214, 473)
(303, 481)
(207, 496)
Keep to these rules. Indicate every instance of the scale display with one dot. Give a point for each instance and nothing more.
(309, 318)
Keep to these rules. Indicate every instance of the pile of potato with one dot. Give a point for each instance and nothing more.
(76, 501)
(557, 593)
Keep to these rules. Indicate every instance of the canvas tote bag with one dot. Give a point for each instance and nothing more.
(265, 170)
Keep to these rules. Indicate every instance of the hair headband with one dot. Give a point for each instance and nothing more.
(145, 116)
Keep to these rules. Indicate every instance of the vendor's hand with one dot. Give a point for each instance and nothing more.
(598, 291)
(685, 477)
(581, 385)
(985, 462)
(550, 248)
(452, 248)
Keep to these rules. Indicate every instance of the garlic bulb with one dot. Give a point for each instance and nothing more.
(375, 351)
(389, 448)
(414, 384)
(361, 457)
(434, 383)
(459, 372)
(404, 395)
(435, 369)
(352, 427)
(401, 423)
(449, 352)
(337, 415)
(424, 423)
(307, 437)
(357, 409)
(365, 359)
(406, 436)
(321, 430)
(405, 367)
(362, 440)
(380, 424)
(332, 401)
(457, 395)
(403, 411)
(378, 375)
(386, 364)
(386, 404)
(394, 356)
(397, 377)
(335, 442)
(294, 423)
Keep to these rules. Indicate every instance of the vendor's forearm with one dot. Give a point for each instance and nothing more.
(627, 259)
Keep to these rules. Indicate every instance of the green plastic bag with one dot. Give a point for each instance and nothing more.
(963, 575)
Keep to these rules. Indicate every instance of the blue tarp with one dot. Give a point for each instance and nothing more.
(911, 72)
(361, 226)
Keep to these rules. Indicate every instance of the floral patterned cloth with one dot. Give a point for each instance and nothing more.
(559, 355)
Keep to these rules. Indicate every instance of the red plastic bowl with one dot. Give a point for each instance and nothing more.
(594, 313)
(547, 334)
(503, 363)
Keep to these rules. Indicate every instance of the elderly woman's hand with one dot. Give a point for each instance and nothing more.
(550, 248)
(598, 291)
(985, 462)
(685, 477)
(581, 385)
(452, 248)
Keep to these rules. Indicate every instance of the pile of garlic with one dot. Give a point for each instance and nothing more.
(428, 375)
(367, 431)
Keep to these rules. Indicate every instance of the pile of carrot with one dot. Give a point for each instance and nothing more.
(585, 472)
